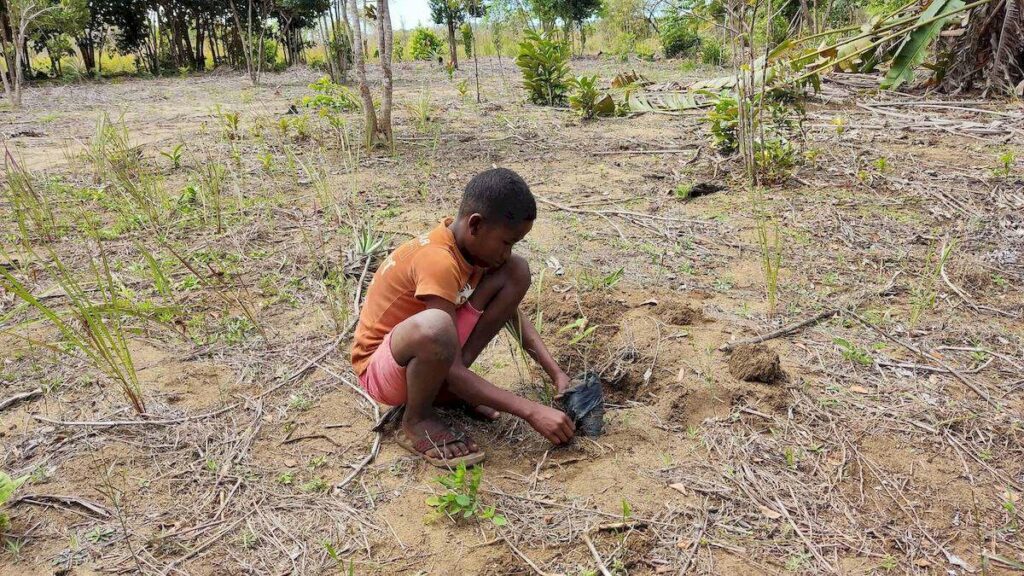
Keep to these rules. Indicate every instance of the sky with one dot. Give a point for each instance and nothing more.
(408, 13)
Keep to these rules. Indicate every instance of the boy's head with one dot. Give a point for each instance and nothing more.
(497, 210)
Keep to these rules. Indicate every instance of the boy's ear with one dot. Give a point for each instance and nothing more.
(475, 221)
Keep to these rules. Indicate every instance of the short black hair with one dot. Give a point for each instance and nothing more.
(500, 195)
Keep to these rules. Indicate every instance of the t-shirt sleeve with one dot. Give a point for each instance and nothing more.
(435, 274)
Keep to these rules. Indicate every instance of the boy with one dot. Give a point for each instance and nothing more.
(433, 306)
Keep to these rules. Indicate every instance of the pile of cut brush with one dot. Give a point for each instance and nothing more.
(972, 45)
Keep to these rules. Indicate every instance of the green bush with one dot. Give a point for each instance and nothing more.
(270, 48)
(331, 96)
(587, 101)
(678, 37)
(545, 66)
(467, 38)
(724, 119)
(423, 44)
(712, 52)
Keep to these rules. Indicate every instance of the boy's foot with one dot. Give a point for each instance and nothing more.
(438, 444)
(481, 412)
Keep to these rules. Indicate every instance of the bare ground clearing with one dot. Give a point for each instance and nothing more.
(875, 453)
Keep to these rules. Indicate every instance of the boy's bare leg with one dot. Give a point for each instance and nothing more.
(498, 296)
(426, 344)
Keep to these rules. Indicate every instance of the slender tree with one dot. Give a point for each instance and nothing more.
(18, 19)
(449, 13)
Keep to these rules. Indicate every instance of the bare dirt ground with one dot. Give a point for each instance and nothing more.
(890, 442)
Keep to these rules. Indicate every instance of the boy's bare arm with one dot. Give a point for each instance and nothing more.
(475, 390)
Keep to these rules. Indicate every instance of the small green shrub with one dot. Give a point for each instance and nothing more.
(678, 37)
(712, 51)
(545, 66)
(587, 101)
(270, 49)
(467, 38)
(330, 96)
(724, 119)
(460, 498)
(8, 486)
(423, 44)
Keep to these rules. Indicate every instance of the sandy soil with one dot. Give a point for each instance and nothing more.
(872, 453)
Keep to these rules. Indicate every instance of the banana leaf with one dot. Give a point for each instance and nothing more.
(914, 48)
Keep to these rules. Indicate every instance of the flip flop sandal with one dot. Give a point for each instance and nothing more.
(424, 445)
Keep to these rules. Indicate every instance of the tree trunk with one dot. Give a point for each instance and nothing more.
(85, 46)
(212, 35)
(5, 42)
(453, 54)
(245, 38)
(385, 42)
(476, 67)
(200, 54)
(370, 128)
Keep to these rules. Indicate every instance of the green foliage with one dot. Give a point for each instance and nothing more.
(330, 96)
(174, 155)
(852, 352)
(679, 36)
(724, 119)
(1006, 161)
(914, 48)
(460, 499)
(774, 154)
(423, 44)
(774, 157)
(91, 320)
(270, 50)
(712, 51)
(587, 101)
(544, 63)
(8, 486)
(466, 30)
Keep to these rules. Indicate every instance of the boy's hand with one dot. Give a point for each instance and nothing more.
(552, 424)
(562, 383)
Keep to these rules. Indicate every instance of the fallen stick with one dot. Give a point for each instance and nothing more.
(54, 501)
(20, 398)
(810, 545)
(804, 323)
(314, 361)
(597, 557)
(781, 331)
(956, 374)
(375, 448)
(525, 558)
(658, 151)
(696, 543)
(112, 423)
(203, 546)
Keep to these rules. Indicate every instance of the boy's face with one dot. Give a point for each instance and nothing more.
(490, 243)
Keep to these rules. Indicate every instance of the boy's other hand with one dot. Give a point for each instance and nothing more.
(552, 424)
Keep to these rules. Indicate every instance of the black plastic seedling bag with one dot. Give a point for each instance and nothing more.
(584, 403)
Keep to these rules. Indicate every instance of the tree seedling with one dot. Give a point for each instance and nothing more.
(174, 155)
(460, 499)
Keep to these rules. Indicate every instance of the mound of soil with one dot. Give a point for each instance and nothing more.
(756, 363)
(679, 313)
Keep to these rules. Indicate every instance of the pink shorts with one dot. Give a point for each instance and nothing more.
(384, 378)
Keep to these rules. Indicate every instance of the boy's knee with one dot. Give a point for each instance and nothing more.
(518, 273)
(436, 338)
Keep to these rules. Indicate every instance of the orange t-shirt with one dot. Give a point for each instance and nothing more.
(430, 265)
